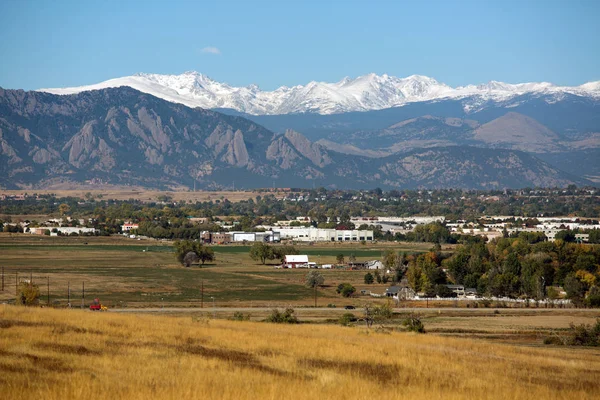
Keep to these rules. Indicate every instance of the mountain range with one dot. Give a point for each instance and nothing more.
(364, 93)
(121, 136)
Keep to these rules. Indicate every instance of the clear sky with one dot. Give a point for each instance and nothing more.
(71, 43)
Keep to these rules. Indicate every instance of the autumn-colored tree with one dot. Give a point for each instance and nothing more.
(29, 294)
(64, 208)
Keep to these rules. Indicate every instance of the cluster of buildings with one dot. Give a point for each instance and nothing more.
(300, 234)
(548, 226)
(62, 230)
(396, 224)
(302, 261)
(55, 227)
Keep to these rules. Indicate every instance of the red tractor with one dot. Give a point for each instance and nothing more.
(97, 306)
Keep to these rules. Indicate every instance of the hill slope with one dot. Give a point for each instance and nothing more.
(76, 354)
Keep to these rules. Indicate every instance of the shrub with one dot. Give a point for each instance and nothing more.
(379, 313)
(578, 335)
(593, 301)
(347, 318)
(239, 316)
(413, 324)
(29, 294)
(553, 340)
(368, 278)
(345, 289)
(382, 312)
(485, 303)
(286, 317)
(585, 335)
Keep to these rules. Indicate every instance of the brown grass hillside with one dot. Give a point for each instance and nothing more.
(518, 132)
(69, 354)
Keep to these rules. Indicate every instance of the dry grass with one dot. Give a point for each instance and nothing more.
(508, 323)
(58, 354)
(147, 195)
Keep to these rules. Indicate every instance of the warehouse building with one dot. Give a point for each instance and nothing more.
(324, 235)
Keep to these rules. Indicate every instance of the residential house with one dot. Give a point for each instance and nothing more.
(128, 226)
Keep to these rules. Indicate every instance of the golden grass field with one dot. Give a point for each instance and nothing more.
(71, 354)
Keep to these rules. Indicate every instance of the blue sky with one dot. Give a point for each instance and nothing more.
(72, 43)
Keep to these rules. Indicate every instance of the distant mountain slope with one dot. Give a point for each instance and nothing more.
(517, 131)
(584, 163)
(425, 131)
(120, 136)
(364, 93)
(510, 131)
(468, 167)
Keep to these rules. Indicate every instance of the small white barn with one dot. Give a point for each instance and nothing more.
(296, 261)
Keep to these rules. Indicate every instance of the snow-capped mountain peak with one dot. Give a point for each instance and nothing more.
(363, 93)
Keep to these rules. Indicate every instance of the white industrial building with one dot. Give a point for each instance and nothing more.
(64, 230)
(324, 235)
(396, 220)
(268, 236)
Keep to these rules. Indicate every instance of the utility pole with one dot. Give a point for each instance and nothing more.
(83, 296)
(69, 294)
(16, 287)
(315, 296)
(3, 279)
(202, 295)
(48, 291)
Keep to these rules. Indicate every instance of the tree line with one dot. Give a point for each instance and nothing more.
(325, 206)
(518, 267)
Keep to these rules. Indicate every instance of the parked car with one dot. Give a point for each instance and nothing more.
(349, 307)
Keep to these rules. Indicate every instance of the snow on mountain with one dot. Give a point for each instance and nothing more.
(367, 92)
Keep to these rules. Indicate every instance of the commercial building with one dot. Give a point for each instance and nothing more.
(323, 235)
(268, 236)
(63, 230)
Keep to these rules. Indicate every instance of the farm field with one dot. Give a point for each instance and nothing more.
(58, 354)
(129, 273)
(147, 195)
(513, 325)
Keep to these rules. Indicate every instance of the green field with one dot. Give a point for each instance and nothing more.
(128, 273)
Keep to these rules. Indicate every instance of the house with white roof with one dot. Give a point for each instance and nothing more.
(295, 261)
